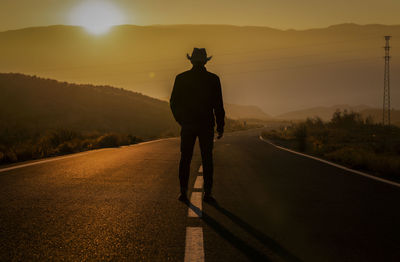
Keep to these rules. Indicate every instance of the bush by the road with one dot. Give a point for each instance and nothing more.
(347, 139)
(60, 142)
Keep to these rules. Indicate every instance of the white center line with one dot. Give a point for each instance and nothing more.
(195, 208)
(50, 160)
(194, 250)
(199, 182)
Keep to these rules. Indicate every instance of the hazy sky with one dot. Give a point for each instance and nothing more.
(281, 14)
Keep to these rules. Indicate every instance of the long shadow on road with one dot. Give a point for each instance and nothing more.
(260, 236)
(249, 251)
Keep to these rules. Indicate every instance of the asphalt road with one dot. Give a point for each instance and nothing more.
(121, 204)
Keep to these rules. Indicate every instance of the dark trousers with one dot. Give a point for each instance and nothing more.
(206, 141)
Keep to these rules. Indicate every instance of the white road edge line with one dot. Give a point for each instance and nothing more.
(335, 165)
(194, 250)
(48, 160)
(197, 204)
(201, 169)
(74, 155)
(198, 184)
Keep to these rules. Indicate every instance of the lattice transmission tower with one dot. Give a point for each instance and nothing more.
(386, 85)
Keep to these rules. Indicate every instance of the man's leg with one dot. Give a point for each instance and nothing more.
(188, 139)
(206, 141)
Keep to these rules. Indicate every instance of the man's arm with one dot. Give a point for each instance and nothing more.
(174, 100)
(219, 109)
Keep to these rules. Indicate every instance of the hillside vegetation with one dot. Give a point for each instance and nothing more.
(42, 117)
(348, 139)
(31, 104)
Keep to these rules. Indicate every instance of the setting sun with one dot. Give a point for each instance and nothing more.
(97, 17)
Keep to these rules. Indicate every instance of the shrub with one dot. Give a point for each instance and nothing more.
(348, 139)
(314, 122)
(65, 148)
(10, 156)
(133, 139)
(59, 136)
(24, 152)
(87, 144)
(108, 140)
(58, 142)
(44, 147)
(366, 160)
(300, 133)
(346, 119)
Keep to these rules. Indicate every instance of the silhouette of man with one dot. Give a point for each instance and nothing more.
(195, 99)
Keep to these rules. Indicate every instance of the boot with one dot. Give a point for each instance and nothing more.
(209, 198)
(183, 195)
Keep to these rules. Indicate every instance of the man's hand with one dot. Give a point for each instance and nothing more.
(220, 135)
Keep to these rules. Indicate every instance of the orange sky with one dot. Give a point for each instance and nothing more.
(281, 14)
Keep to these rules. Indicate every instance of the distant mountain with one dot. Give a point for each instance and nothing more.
(276, 70)
(325, 113)
(29, 105)
(245, 112)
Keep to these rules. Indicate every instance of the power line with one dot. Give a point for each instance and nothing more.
(301, 66)
(239, 62)
(265, 60)
(174, 59)
(301, 46)
(265, 70)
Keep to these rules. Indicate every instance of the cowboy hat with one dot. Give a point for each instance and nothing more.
(198, 55)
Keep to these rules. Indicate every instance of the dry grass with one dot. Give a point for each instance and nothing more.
(60, 142)
(347, 139)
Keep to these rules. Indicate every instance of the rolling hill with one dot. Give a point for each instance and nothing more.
(29, 105)
(245, 112)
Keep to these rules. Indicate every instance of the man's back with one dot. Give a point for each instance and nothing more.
(195, 98)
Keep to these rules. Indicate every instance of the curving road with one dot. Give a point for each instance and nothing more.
(120, 204)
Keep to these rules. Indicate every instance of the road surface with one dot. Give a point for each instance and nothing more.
(120, 204)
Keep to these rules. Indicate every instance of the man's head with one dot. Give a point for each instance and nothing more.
(198, 57)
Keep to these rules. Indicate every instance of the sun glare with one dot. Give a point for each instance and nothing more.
(96, 16)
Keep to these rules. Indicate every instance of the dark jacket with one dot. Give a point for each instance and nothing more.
(196, 97)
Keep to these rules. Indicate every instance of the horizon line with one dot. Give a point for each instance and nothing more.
(209, 24)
